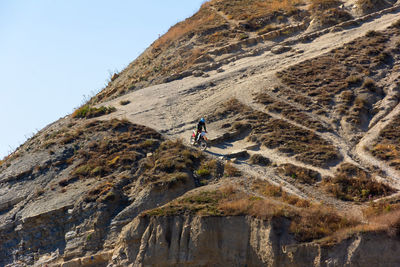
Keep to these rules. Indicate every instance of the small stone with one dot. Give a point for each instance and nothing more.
(279, 49)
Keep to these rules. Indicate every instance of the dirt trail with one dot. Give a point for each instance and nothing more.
(173, 108)
(393, 176)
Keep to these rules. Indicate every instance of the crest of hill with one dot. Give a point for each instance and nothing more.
(225, 28)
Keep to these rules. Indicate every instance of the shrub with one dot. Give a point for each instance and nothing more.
(83, 170)
(323, 4)
(300, 174)
(230, 170)
(124, 102)
(203, 172)
(357, 188)
(354, 184)
(243, 36)
(267, 29)
(87, 111)
(353, 80)
(369, 83)
(384, 57)
(318, 222)
(259, 160)
(372, 33)
(207, 168)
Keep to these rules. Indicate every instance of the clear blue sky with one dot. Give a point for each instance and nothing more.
(55, 52)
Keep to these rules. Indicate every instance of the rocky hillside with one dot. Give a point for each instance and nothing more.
(301, 100)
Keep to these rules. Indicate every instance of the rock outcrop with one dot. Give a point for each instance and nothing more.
(242, 241)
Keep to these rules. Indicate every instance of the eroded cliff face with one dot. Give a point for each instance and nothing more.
(242, 241)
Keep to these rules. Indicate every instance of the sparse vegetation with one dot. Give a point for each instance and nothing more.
(278, 134)
(116, 145)
(354, 184)
(328, 13)
(387, 147)
(368, 6)
(259, 160)
(207, 168)
(291, 112)
(87, 111)
(308, 223)
(230, 170)
(303, 175)
(341, 76)
(323, 4)
(258, 13)
(174, 163)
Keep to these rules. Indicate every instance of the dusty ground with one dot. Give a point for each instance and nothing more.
(174, 108)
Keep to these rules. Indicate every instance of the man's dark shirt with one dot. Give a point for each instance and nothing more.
(200, 126)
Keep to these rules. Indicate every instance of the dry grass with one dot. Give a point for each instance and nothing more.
(305, 145)
(122, 145)
(204, 19)
(308, 222)
(354, 184)
(334, 80)
(317, 222)
(291, 112)
(87, 111)
(230, 170)
(265, 189)
(303, 175)
(323, 4)
(259, 160)
(387, 147)
(258, 13)
(368, 6)
(290, 139)
(327, 12)
(173, 163)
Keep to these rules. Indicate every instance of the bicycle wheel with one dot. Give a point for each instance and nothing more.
(203, 145)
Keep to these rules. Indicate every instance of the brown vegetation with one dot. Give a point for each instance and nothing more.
(257, 13)
(259, 160)
(86, 111)
(308, 223)
(173, 163)
(303, 175)
(121, 145)
(304, 144)
(387, 146)
(341, 81)
(354, 184)
(368, 6)
(290, 112)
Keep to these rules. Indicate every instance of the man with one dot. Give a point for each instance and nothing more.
(200, 126)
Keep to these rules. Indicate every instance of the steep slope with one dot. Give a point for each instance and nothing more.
(301, 100)
(224, 30)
